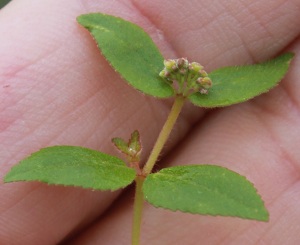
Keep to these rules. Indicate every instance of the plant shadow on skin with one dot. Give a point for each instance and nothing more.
(198, 189)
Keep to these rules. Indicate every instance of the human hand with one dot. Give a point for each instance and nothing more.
(56, 88)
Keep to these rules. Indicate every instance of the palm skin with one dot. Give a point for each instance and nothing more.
(56, 88)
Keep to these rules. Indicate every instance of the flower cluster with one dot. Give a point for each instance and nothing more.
(191, 77)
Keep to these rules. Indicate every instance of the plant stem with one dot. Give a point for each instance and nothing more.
(164, 134)
(160, 142)
(137, 209)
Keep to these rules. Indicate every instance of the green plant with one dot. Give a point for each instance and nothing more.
(202, 189)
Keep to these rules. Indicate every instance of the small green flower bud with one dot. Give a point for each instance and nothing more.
(199, 80)
(195, 67)
(182, 63)
(203, 73)
(183, 71)
(186, 77)
(170, 64)
(205, 82)
(203, 91)
(174, 68)
(164, 73)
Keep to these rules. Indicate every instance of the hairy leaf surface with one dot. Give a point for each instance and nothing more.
(73, 166)
(237, 84)
(131, 52)
(204, 189)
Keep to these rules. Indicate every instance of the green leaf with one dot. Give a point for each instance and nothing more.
(130, 50)
(122, 145)
(134, 142)
(73, 166)
(237, 84)
(3, 3)
(204, 189)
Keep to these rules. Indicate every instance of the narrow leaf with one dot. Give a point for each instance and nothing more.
(237, 84)
(122, 145)
(134, 142)
(204, 189)
(73, 166)
(130, 50)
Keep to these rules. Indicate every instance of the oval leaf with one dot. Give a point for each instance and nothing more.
(204, 189)
(130, 50)
(73, 166)
(237, 84)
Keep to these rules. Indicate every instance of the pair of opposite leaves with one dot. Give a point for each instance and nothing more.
(202, 189)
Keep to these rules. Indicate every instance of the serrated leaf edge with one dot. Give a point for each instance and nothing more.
(215, 215)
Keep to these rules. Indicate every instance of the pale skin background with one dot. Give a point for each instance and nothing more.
(56, 88)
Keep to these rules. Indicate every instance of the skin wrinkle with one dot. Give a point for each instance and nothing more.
(167, 37)
(25, 95)
(60, 134)
(103, 216)
(283, 154)
(90, 218)
(288, 89)
(286, 102)
(7, 103)
(275, 115)
(271, 21)
(30, 211)
(28, 93)
(290, 208)
(267, 231)
(264, 27)
(154, 24)
(37, 128)
(42, 188)
(32, 188)
(268, 18)
(29, 61)
(66, 115)
(243, 44)
(72, 236)
(277, 219)
(12, 70)
(91, 98)
(186, 230)
(295, 104)
(236, 31)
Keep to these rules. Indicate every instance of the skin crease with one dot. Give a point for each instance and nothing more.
(56, 88)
